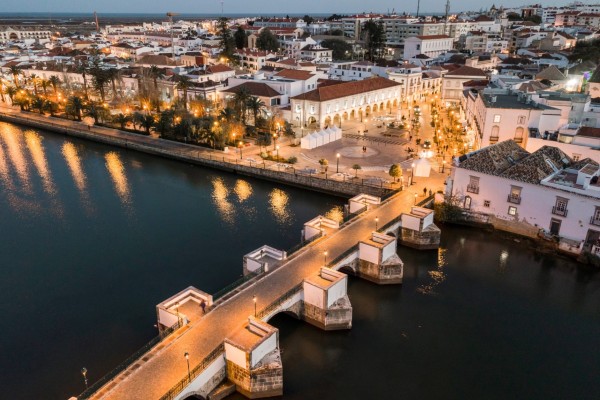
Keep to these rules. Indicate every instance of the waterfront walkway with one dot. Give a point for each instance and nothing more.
(247, 162)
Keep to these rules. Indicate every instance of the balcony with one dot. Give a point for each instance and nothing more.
(493, 139)
(595, 220)
(514, 198)
(518, 139)
(559, 211)
(473, 189)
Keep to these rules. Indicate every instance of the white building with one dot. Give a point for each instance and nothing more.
(431, 46)
(10, 34)
(531, 192)
(452, 82)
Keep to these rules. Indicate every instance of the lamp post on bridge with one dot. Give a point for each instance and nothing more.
(337, 164)
(187, 358)
(84, 373)
(376, 222)
(325, 258)
(254, 299)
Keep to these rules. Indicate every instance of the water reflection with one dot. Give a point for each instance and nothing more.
(503, 260)
(69, 152)
(117, 173)
(219, 196)
(243, 190)
(34, 144)
(278, 203)
(7, 181)
(15, 153)
(437, 276)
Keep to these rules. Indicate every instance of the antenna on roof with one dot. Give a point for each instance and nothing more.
(418, 7)
(446, 19)
(96, 19)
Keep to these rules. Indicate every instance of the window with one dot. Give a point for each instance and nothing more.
(560, 206)
(576, 157)
(521, 120)
(495, 133)
(512, 210)
(519, 134)
(467, 204)
(473, 186)
(515, 194)
(298, 108)
(486, 203)
(595, 220)
(497, 118)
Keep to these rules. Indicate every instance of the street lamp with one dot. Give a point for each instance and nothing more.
(443, 165)
(337, 164)
(241, 146)
(84, 373)
(277, 148)
(376, 222)
(254, 299)
(187, 358)
(412, 173)
(415, 198)
(325, 258)
(177, 310)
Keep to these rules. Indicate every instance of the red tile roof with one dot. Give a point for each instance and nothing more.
(467, 71)
(255, 89)
(331, 92)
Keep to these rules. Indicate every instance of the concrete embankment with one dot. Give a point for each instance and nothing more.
(198, 156)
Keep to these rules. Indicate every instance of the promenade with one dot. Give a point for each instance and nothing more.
(247, 163)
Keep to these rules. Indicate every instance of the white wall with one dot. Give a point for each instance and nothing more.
(368, 253)
(205, 376)
(235, 355)
(534, 144)
(336, 291)
(314, 295)
(263, 349)
(166, 318)
(411, 222)
(389, 250)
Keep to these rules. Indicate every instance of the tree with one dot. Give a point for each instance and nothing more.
(263, 140)
(121, 119)
(256, 106)
(38, 104)
(183, 84)
(15, 71)
(356, 167)
(240, 38)
(241, 102)
(374, 37)
(228, 114)
(11, 91)
(96, 111)
(100, 78)
(267, 41)
(114, 75)
(164, 125)
(83, 69)
(74, 107)
(308, 19)
(54, 81)
(227, 41)
(34, 79)
(340, 48)
(324, 163)
(586, 51)
(146, 121)
(395, 172)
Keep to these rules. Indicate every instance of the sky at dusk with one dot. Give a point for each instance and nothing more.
(243, 6)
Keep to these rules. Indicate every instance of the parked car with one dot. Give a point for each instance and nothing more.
(427, 144)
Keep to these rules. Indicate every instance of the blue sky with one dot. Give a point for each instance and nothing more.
(244, 6)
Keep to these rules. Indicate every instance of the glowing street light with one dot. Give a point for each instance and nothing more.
(325, 258)
(84, 373)
(187, 358)
(254, 300)
(241, 146)
(415, 198)
(277, 148)
(376, 222)
(337, 164)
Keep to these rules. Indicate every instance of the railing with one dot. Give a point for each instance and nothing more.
(595, 221)
(129, 361)
(518, 139)
(562, 211)
(494, 139)
(473, 189)
(238, 283)
(342, 256)
(206, 361)
(514, 198)
(282, 299)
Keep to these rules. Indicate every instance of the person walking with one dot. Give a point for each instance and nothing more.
(424, 191)
(203, 306)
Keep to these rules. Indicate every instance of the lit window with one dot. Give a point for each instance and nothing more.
(486, 203)
(512, 210)
(497, 118)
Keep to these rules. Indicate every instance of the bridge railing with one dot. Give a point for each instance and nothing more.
(128, 362)
(234, 285)
(282, 299)
(197, 370)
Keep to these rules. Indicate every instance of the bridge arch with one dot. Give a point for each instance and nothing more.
(291, 312)
(349, 269)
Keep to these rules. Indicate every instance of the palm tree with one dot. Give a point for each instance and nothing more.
(114, 75)
(356, 167)
(183, 84)
(241, 102)
(145, 121)
(2, 90)
(155, 73)
(74, 107)
(54, 81)
(45, 84)
(122, 119)
(228, 114)
(99, 79)
(256, 106)
(34, 79)
(15, 70)
(96, 111)
(11, 91)
(83, 69)
(39, 104)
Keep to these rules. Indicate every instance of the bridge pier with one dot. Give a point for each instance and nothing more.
(418, 230)
(326, 302)
(378, 261)
(254, 361)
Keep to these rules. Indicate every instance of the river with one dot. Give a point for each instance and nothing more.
(93, 238)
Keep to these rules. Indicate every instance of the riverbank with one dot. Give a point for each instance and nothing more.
(271, 171)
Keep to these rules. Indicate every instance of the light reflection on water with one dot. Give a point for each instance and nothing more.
(34, 144)
(7, 181)
(243, 190)
(336, 214)
(436, 276)
(69, 152)
(14, 146)
(219, 196)
(278, 203)
(117, 173)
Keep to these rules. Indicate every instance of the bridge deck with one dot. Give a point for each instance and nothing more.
(165, 368)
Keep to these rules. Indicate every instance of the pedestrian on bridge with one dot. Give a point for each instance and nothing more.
(203, 306)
